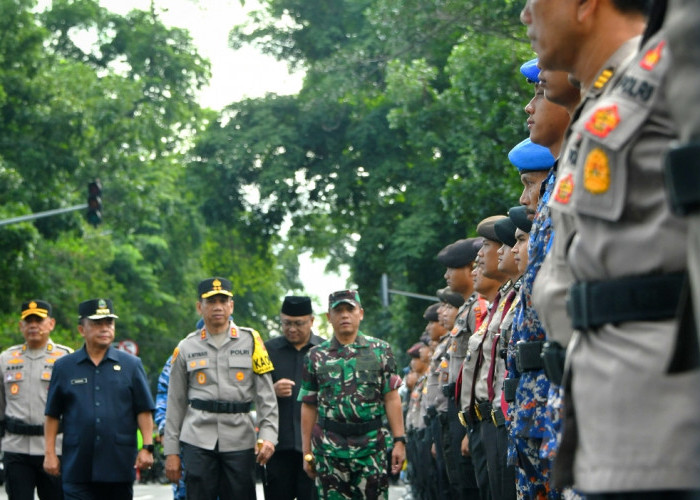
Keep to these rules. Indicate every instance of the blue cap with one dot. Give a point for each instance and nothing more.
(531, 71)
(529, 157)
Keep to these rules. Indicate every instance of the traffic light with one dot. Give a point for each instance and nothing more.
(94, 203)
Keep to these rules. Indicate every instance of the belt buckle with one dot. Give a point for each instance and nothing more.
(493, 417)
(478, 412)
(462, 420)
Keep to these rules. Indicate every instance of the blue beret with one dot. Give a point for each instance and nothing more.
(529, 157)
(531, 71)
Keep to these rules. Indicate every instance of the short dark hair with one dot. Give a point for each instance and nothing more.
(633, 6)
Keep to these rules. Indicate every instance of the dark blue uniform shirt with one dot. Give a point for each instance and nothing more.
(99, 405)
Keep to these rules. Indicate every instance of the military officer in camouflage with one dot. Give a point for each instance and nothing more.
(349, 384)
(26, 370)
(218, 372)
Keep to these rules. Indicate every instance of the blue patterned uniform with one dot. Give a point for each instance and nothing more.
(528, 415)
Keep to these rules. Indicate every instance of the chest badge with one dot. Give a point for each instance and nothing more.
(240, 376)
(14, 389)
(652, 57)
(117, 368)
(603, 121)
(596, 172)
(201, 378)
(564, 189)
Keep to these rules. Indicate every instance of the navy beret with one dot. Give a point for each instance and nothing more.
(461, 253)
(531, 71)
(448, 296)
(505, 230)
(519, 217)
(431, 313)
(528, 157)
(485, 228)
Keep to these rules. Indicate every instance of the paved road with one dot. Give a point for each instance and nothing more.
(163, 492)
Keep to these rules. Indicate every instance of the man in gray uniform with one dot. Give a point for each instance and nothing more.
(218, 372)
(638, 436)
(26, 371)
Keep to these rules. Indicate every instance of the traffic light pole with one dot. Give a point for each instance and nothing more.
(39, 215)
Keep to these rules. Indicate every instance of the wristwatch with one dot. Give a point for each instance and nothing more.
(400, 439)
(149, 448)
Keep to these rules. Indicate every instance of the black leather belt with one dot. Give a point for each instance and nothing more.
(220, 406)
(510, 385)
(482, 410)
(350, 428)
(528, 355)
(637, 298)
(18, 427)
(682, 175)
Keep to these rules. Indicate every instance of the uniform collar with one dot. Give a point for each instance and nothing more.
(360, 341)
(82, 354)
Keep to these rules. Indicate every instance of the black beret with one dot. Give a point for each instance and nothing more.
(453, 298)
(431, 313)
(214, 286)
(505, 230)
(485, 227)
(519, 217)
(461, 253)
(414, 350)
(294, 305)
(39, 308)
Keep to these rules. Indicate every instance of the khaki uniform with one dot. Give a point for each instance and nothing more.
(438, 375)
(638, 426)
(204, 372)
(26, 374)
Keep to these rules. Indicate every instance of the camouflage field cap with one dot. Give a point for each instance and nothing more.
(344, 296)
(39, 308)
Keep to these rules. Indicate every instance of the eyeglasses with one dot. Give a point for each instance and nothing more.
(297, 324)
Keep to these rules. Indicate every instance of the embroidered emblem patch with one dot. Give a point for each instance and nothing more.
(234, 332)
(18, 376)
(603, 78)
(240, 376)
(443, 364)
(175, 353)
(603, 121)
(202, 362)
(564, 189)
(652, 57)
(596, 172)
(45, 375)
(201, 378)
(14, 388)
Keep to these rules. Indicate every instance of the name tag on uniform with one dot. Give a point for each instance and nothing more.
(77, 381)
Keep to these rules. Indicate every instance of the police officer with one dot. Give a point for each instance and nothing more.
(349, 384)
(458, 258)
(613, 191)
(26, 370)
(217, 373)
(422, 479)
(101, 396)
(286, 478)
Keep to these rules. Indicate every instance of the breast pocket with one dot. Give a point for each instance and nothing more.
(241, 370)
(368, 370)
(198, 371)
(14, 384)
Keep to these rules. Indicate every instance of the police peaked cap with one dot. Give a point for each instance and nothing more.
(519, 217)
(39, 308)
(531, 71)
(530, 157)
(296, 306)
(461, 253)
(505, 230)
(485, 228)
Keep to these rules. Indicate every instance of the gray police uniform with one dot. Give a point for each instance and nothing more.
(212, 390)
(435, 403)
(638, 425)
(26, 375)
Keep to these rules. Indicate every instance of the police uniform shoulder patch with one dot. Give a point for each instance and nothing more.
(175, 353)
(652, 57)
(603, 121)
(564, 189)
(596, 172)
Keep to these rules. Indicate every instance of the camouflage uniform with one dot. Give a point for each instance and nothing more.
(347, 384)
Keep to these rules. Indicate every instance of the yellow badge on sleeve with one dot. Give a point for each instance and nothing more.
(201, 378)
(596, 172)
(603, 121)
(261, 359)
(562, 193)
(175, 353)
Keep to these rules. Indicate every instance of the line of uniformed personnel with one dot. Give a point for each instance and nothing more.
(567, 364)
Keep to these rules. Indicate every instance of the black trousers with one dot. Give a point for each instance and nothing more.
(98, 491)
(434, 436)
(460, 469)
(286, 479)
(501, 475)
(478, 455)
(24, 473)
(212, 474)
